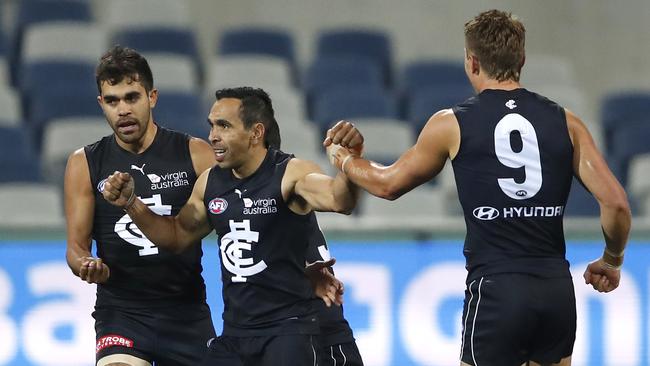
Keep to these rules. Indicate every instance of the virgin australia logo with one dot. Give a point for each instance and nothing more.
(167, 180)
(485, 213)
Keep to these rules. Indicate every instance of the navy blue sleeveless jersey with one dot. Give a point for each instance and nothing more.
(262, 250)
(334, 329)
(513, 174)
(143, 275)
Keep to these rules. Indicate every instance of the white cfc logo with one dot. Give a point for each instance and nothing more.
(240, 239)
(128, 231)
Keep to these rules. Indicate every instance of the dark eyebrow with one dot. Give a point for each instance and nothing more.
(132, 94)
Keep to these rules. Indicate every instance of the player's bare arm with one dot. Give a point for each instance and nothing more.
(79, 211)
(615, 215)
(202, 155)
(171, 232)
(438, 141)
(306, 188)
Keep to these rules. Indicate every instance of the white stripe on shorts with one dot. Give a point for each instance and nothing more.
(474, 322)
(469, 304)
(345, 359)
(313, 350)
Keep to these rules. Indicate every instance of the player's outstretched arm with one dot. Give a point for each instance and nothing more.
(615, 217)
(306, 188)
(423, 161)
(171, 232)
(79, 212)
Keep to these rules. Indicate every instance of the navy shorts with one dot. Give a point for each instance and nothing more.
(276, 350)
(339, 354)
(168, 336)
(512, 318)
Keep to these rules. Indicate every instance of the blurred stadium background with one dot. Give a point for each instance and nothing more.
(385, 65)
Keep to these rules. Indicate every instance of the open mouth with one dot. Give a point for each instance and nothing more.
(219, 153)
(127, 126)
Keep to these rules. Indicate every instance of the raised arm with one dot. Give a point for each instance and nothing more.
(615, 217)
(170, 232)
(79, 212)
(438, 141)
(306, 188)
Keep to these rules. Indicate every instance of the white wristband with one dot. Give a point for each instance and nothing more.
(347, 158)
(615, 255)
(130, 201)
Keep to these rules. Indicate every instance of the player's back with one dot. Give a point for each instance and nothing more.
(513, 173)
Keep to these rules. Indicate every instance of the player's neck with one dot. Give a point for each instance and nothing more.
(498, 85)
(252, 163)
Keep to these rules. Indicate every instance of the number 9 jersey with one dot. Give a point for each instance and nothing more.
(513, 172)
(143, 275)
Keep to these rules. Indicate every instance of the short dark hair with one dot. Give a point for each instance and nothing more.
(498, 39)
(255, 107)
(123, 62)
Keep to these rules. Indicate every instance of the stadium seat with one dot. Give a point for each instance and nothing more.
(372, 45)
(5, 71)
(34, 206)
(256, 41)
(59, 74)
(432, 73)
(300, 138)
(47, 104)
(421, 201)
(544, 69)
(352, 103)
(303, 139)
(385, 139)
(327, 73)
(32, 12)
(638, 183)
(182, 111)
(423, 103)
(621, 108)
(63, 136)
(142, 14)
(172, 73)
(288, 104)
(19, 161)
(163, 40)
(64, 41)
(626, 143)
(10, 106)
(265, 72)
(158, 40)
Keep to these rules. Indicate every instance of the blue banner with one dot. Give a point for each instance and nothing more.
(403, 300)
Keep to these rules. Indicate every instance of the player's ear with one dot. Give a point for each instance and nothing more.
(153, 97)
(475, 65)
(258, 133)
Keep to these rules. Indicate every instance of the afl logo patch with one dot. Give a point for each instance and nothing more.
(485, 213)
(100, 185)
(217, 206)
